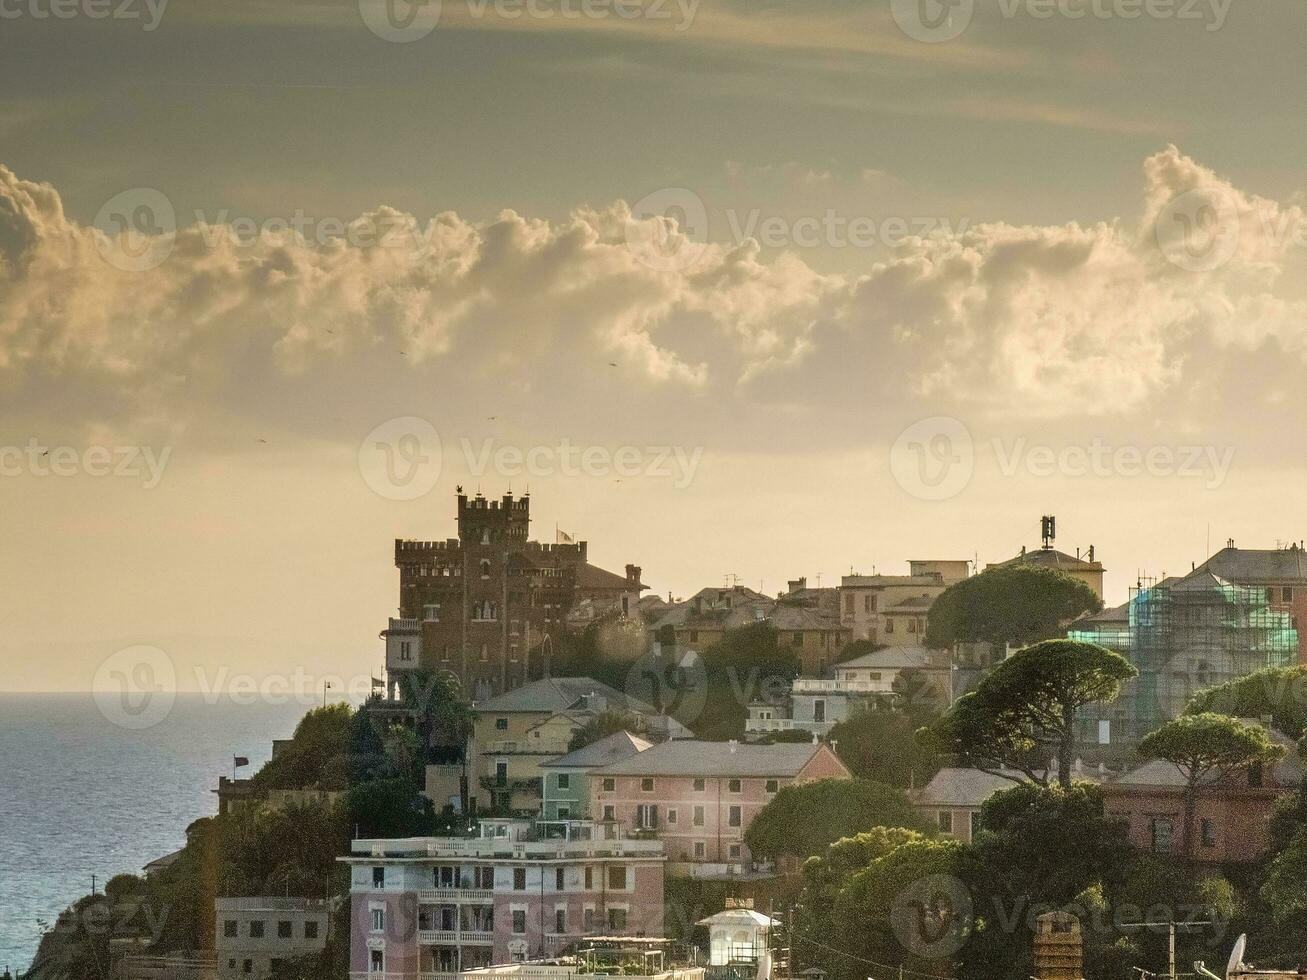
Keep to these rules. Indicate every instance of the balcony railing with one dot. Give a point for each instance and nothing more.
(456, 895)
(822, 685)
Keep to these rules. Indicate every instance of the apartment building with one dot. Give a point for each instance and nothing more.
(428, 908)
(253, 937)
(566, 780)
(518, 731)
(817, 704)
(699, 798)
(894, 608)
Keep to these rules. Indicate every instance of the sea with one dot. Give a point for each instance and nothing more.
(82, 795)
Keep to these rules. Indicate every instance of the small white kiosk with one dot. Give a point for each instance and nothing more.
(737, 936)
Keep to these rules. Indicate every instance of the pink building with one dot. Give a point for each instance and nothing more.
(426, 908)
(698, 798)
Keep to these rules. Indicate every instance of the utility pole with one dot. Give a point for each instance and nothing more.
(1171, 928)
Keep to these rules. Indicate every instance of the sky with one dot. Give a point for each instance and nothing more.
(737, 291)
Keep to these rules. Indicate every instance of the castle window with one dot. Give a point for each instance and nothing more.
(485, 535)
(485, 568)
(431, 613)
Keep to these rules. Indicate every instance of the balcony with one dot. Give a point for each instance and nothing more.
(823, 685)
(429, 895)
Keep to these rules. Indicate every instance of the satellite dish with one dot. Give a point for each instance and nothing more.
(1236, 956)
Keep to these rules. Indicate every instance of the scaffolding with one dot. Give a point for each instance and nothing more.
(1184, 636)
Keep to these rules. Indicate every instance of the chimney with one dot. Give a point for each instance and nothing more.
(798, 584)
(633, 574)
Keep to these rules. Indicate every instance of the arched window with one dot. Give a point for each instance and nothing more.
(485, 568)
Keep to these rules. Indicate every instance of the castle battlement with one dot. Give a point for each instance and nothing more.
(410, 550)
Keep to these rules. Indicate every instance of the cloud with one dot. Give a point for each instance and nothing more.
(564, 327)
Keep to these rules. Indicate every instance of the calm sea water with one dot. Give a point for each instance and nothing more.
(81, 796)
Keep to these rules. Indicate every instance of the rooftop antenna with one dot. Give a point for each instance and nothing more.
(1048, 530)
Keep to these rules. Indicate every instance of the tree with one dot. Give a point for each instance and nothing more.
(1279, 693)
(1014, 604)
(1207, 748)
(1282, 890)
(746, 662)
(1027, 705)
(601, 726)
(803, 819)
(879, 744)
(1036, 847)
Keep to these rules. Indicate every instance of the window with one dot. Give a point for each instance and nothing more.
(912, 626)
(376, 962)
(560, 920)
(617, 920)
(378, 920)
(310, 930)
(733, 786)
(773, 785)
(1163, 835)
(818, 710)
(889, 625)
(501, 773)
(247, 966)
(501, 724)
(610, 785)
(734, 852)
(431, 613)
(256, 929)
(229, 928)
(700, 850)
(697, 819)
(378, 877)
(405, 650)
(610, 814)
(589, 879)
(519, 921)
(285, 929)
(1286, 594)
(646, 785)
(617, 878)
(671, 816)
(946, 821)
(1208, 831)
(734, 816)
(694, 636)
(485, 568)
(564, 780)
(646, 816)
(700, 785)
(559, 879)
(485, 878)
(519, 879)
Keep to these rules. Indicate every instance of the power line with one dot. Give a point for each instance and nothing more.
(863, 959)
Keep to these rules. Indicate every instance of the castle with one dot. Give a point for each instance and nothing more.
(489, 606)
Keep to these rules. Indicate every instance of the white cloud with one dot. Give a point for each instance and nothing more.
(526, 319)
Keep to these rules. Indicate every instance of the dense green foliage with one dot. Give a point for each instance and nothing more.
(804, 819)
(1278, 693)
(1018, 604)
(746, 663)
(880, 744)
(1024, 711)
